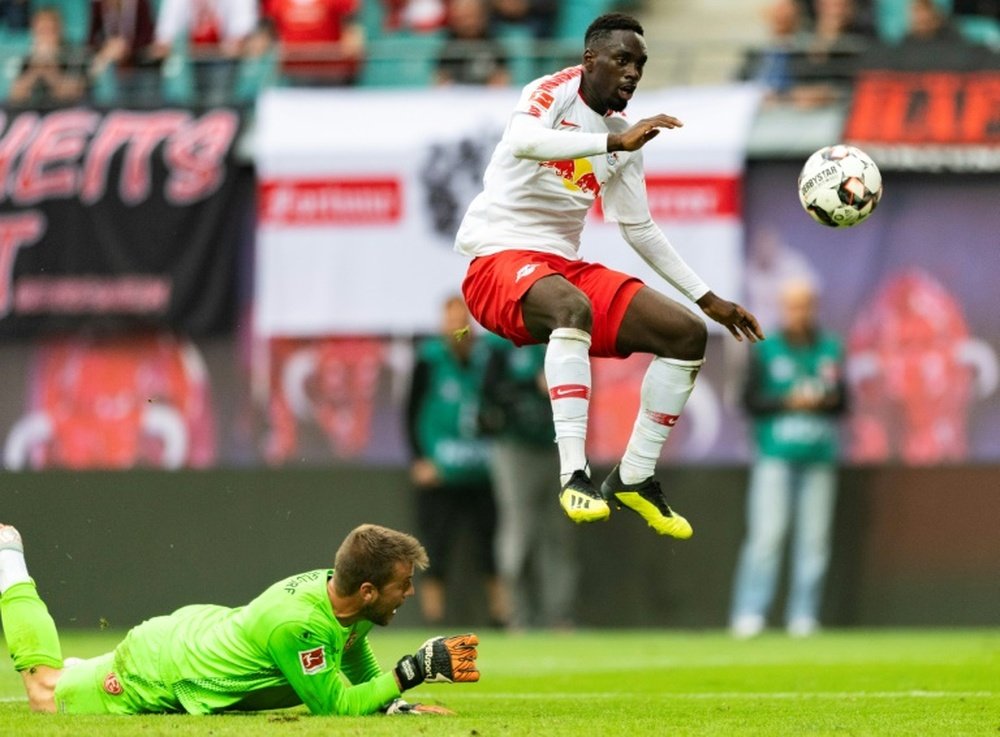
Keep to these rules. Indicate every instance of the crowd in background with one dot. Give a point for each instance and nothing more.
(816, 48)
(209, 51)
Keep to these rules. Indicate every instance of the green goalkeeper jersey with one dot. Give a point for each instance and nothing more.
(282, 649)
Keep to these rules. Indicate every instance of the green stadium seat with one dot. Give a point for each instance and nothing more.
(522, 59)
(892, 17)
(401, 60)
(13, 46)
(980, 29)
(575, 16)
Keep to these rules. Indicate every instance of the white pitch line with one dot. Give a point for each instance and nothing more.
(787, 695)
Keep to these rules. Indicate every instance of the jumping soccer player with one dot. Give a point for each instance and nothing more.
(288, 646)
(566, 144)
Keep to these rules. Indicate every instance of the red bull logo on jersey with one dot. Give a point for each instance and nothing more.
(313, 661)
(577, 175)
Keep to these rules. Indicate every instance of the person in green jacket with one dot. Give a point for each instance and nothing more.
(294, 644)
(450, 459)
(794, 393)
(535, 549)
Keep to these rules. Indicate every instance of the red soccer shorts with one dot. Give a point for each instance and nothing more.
(495, 285)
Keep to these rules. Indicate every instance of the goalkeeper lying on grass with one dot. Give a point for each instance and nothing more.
(288, 646)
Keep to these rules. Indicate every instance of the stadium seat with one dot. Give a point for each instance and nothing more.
(13, 46)
(892, 17)
(574, 17)
(401, 60)
(980, 29)
(521, 55)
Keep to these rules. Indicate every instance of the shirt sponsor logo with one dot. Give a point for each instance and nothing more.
(112, 685)
(577, 175)
(313, 661)
(344, 201)
(524, 271)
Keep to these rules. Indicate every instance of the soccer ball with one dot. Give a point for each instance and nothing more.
(840, 186)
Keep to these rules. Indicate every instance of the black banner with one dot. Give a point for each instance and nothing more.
(115, 219)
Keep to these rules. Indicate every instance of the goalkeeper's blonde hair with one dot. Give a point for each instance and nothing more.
(370, 553)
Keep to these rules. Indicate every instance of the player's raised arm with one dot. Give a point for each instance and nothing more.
(638, 135)
(529, 138)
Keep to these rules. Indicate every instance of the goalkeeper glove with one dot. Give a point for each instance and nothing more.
(440, 660)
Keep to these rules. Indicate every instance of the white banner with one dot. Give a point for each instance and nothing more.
(361, 193)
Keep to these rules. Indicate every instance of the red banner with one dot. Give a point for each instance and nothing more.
(928, 120)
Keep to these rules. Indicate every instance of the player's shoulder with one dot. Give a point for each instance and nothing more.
(542, 93)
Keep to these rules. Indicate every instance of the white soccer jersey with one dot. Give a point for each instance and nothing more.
(542, 205)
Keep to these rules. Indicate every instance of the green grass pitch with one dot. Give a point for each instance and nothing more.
(880, 682)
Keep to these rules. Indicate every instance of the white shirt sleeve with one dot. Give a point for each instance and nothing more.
(529, 138)
(649, 242)
(624, 201)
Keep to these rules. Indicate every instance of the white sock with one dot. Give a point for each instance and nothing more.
(665, 390)
(567, 372)
(13, 569)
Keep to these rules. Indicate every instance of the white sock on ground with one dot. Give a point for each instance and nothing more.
(665, 390)
(13, 569)
(567, 372)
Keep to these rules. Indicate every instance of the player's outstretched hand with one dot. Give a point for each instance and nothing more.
(641, 133)
(399, 706)
(737, 320)
(440, 660)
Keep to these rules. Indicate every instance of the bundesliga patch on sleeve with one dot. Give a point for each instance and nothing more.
(313, 661)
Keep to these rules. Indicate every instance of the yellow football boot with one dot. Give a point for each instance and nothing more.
(580, 500)
(646, 500)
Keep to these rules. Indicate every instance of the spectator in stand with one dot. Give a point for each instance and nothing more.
(120, 39)
(213, 33)
(825, 70)
(215, 27)
(421, 16)
(121, 31)
(259, 67)
(861, 15)
(51, 73)
(15, 15)
(534, 543)
(320, 41)
(450, 467)
(773, 66)
(539, 16)
(795, 391)
(471, 55)
(932, 41)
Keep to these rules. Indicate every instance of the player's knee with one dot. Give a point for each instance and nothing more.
(688, 343)
(574, 311)
(697, 337)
